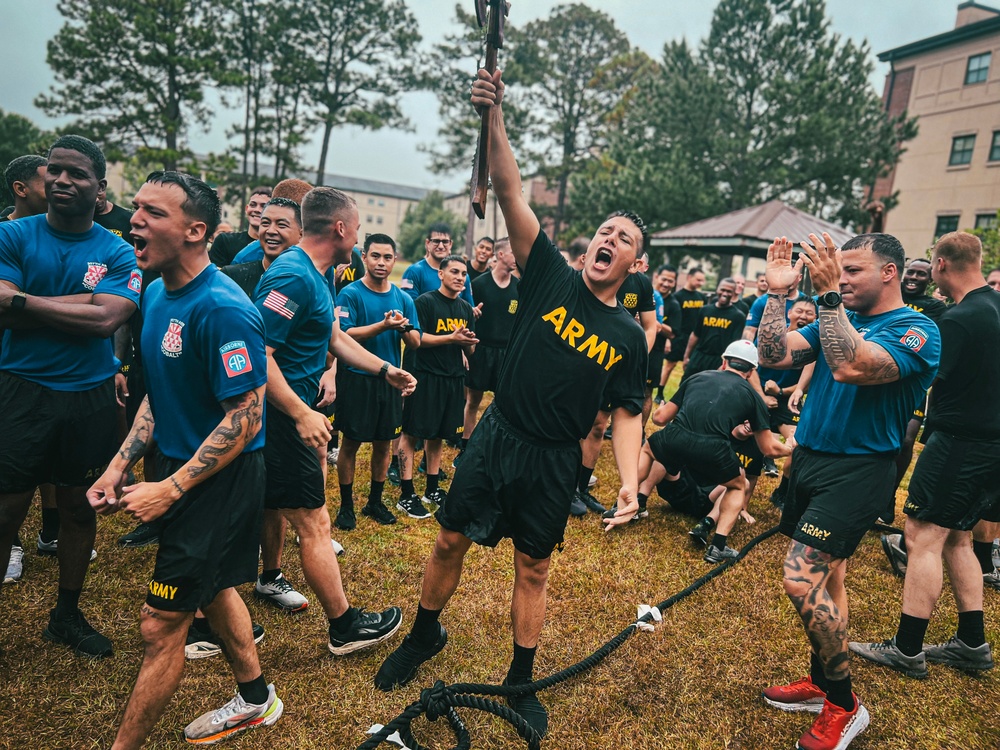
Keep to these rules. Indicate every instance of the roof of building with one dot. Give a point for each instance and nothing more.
(373, 187)
(751, 228)
(948, 38)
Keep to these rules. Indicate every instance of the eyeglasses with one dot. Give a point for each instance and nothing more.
(439, 241)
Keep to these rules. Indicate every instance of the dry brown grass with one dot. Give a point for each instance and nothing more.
(694, 683)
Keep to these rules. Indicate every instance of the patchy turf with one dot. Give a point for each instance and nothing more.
(694, 683)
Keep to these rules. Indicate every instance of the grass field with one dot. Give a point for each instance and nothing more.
(693, 683)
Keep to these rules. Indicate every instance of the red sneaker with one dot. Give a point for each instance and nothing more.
(835, 728)
(801, 695)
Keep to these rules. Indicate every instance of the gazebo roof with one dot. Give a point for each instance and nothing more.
(749, 230)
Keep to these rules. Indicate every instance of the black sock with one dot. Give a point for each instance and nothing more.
(375, 493)
(583, 478)
(254, 691)
(719, 540)
(522, 664)
(816, 673)
(970, 628)
(425, 628)
(642, 499)
(406, 488)
(783, 484)
(270, 576)
(50, 524)
(463, 443)
(200, 625)
(347, 495)
(394, 461)
(17, 541)
(432, 483)
(334, 441)
(984, 553)
(68, 602)
(342, 623)
(910, 635)
(839, 693)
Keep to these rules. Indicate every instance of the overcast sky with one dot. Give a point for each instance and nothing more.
(393, 156)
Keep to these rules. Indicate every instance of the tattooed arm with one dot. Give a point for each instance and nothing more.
(778, 348)
(103, 496)
(852, 359)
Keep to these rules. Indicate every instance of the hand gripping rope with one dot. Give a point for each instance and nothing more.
(441, 700)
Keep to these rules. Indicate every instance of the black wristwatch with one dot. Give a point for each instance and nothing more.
(18, 301)
(830, 299)
(384, 372)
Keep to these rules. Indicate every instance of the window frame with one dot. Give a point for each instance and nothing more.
(983, 70)
(994, 155)
(947, 218)
(955, 151)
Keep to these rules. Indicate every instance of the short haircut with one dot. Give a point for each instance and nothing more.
(323, 207)
(883, 245)
(962, 249)
(202, 202)
(804, 300)
(502, 244)
(287, 203)
(453, 258)
(293, 189)
(917, 260)
(261, 190)
(666, 267)
(635, 219)
(486, 239)
(694, 269)
(760, 273)
(728, 280)
(992, 271)
(86, 147)
(22, 169)
(380, 239)
(439, 227)
(577, 248)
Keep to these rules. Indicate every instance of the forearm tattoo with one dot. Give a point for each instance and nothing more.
(807, 571)
(137, 442)
(772, 334)
(239, 426)
(843, 347)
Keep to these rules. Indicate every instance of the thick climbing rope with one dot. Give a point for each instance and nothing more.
(441, 700)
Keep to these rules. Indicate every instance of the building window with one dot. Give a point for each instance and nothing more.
(986, 221)
(371, 201)
(378, 219)
(370, 218)
(978, 69)
(381, 202)
(944, 225)
(995, 146)
(961, 150)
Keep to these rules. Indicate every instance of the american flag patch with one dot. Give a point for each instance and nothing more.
(280, 304)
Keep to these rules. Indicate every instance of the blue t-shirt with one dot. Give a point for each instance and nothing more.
(658, 306)
(294, 300)
(360, 306)
(254, 251)
(420, 278)
(863, 419)
(41, 261)
(201, 344)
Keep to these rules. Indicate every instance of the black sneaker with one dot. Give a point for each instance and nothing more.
(141, 536)
(576, 506)
(458, 459)
(77, 633)
(715, 555)
(412, 507)
(367, 629)
(346, 520)
(777, 497)
(392, 475)
(203, 645)
(531, 710)
(699, 534)
(434, 500)
(590, 501)
(401, 665)
(770, 468)
(379, 513)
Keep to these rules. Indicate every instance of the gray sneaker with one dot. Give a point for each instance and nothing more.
(280, 593)
(990, 580)
(956, 654)
(892, 545)
(51, 549)
(715, 555)
(15, 568)
(887, 654)
(235, 716)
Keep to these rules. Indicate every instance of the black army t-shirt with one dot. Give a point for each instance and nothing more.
(246, 275)
(636, 294)
(569, 354)
(353, 272)
(718, 327)
(965, 400)
(690, 304)
(474, 274)
(440, 315)
(117, 221)
(499, 307)
(226, 245)
(714, 402)
(932, 308)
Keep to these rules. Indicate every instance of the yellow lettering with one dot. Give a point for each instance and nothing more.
(594, 348)
(613, 359)
(442, 326)
(574, 329)
(557, 317)
(348, 274)
(745, 460)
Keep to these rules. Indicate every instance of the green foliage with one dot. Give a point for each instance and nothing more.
(413, 229)
(19, 136)
(991, 245)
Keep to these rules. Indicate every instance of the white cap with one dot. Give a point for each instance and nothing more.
(742, 349)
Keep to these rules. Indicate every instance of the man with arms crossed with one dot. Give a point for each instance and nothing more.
(872, 364)
(572, 350)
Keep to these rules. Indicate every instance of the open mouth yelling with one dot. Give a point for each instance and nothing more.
(603, 258)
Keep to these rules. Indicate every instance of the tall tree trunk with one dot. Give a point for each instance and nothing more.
(321, 169)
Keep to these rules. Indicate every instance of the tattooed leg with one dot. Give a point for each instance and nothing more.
(814, 581)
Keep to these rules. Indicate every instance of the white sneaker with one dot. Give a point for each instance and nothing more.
(337, 546)
(592, 481)
(332, 456)
(15, 568)
(234, 717)
(281, 594)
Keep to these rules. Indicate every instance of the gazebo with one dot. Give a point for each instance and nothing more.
(746, 233)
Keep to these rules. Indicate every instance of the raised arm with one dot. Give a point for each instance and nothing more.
(779, 349)
(522, 224)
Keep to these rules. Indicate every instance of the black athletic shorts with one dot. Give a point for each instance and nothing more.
(708, 459)
(65, 438)
(677, 348)
(368, 408)
(294, 473)
(685, 496)
(991, 512)
(701, 363)
(209, 539)
(834, 499)
(508, 485)
(436, 409)
(484, 368)
(655, 368)
(781, 414)
(954, 481)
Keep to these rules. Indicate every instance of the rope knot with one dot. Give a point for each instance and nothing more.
(435, 700)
